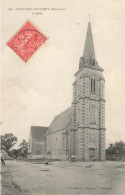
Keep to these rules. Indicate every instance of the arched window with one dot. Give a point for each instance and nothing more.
(92, 85)
(93, 115)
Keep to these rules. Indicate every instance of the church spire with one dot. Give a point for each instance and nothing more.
(88, 59)
(89, 52)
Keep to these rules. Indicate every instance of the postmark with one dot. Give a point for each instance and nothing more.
(27, 41)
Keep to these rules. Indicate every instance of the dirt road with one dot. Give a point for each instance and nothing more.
(62, 177)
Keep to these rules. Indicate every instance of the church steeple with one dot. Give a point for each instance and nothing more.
(88, 59)
(88, 115)
(89, 52)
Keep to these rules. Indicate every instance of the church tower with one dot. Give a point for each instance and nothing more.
(89, 106)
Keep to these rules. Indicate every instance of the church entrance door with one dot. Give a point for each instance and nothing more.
(91, 154)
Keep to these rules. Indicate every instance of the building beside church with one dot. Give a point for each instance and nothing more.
(36, 142)
(80, 130)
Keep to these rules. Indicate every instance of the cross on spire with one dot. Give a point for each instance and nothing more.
(89, 18)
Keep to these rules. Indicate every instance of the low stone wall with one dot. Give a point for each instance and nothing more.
(119, 157)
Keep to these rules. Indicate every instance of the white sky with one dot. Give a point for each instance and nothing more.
(34, 92)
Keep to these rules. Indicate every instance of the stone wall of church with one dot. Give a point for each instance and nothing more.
(102, 120)
(72, 143)
(102, 145)
(94, 137)
(56, 145)
(80, 146)
(38, 148)
(86, 139)
(89, 114)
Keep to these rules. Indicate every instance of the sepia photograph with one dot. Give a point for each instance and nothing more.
(62, 97)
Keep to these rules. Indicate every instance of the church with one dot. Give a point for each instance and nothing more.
(80, 129)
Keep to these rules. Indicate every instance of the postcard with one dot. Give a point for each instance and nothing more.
(62, 97)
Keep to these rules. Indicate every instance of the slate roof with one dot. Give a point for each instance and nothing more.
(38, 132)
(60, 121)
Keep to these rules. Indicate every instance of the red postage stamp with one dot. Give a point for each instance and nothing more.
(26, 41)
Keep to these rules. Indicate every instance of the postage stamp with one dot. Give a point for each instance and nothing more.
(26, 41)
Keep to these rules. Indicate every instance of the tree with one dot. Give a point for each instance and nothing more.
(23, 150)
(8, 141)
(117, 147)
(13, 152)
